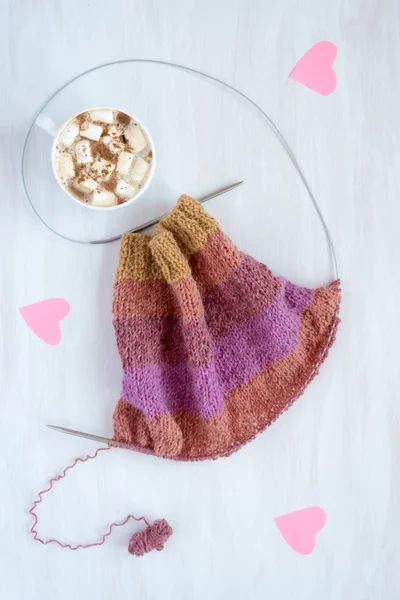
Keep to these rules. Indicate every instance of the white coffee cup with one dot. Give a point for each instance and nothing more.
(48, 125)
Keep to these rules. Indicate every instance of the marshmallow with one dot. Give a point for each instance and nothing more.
(102, 168)
(124, 190)
(86, 183)
(83, 152)
(135, 137)
(140, 169)
(104, 116)
(103, 198)
(114, 130)
(113, 144)
(65, 166)
(90, 131)
(69, 134)
(113, 139)
(124, 162)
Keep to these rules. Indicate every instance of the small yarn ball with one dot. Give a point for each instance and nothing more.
(151, 538)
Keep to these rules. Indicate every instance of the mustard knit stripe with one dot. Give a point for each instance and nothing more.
(164, 255)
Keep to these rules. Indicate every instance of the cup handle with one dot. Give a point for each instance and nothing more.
(47, 124)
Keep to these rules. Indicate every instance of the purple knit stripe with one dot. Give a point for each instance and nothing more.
(238, 356)
(171, 339)
(297, 297)
(247, 292)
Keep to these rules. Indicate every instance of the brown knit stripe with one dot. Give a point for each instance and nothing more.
(150, 257)
(168, 256)
(164, 255)
(136, 260)
(248, 409)
(189, 223)
(212, 265)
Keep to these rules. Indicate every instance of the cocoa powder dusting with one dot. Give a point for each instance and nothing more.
(99, 123)
(110, 184)
(100, 150)
(123, 118)
(80, 172)
(81, 119)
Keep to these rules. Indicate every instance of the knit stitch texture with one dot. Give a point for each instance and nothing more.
(214, 347)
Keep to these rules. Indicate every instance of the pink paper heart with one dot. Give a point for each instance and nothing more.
(300, 528)
(43, 318)
(315, 68)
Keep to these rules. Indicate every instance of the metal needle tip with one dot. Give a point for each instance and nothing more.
(157, 219)
(219, 192)
(89, 436)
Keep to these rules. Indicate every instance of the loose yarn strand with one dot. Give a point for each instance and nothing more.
(152, 538)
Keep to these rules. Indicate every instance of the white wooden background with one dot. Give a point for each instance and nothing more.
(338, 447)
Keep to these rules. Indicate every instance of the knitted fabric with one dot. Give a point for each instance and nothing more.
(214, 347)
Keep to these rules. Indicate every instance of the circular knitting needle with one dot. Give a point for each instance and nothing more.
(89, 436)
(157, 219)
(202, 200)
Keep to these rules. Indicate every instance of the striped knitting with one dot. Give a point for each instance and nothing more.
(214, 347)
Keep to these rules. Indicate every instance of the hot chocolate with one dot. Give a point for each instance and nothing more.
(103, 157)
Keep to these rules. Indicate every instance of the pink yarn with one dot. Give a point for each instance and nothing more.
(151, 538)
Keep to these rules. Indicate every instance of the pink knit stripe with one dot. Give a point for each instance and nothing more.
(156, 340)
(213, 264)
(157, 298)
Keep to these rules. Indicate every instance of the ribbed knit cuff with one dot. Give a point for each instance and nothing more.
(164, 254)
